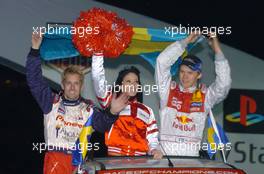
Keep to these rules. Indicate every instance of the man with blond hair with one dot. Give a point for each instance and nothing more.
(65, 113)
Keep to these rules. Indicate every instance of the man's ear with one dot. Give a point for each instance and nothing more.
(199, 76)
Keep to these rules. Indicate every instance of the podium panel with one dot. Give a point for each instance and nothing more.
(147, 165)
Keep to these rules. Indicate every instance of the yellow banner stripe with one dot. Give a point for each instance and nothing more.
(138, 47)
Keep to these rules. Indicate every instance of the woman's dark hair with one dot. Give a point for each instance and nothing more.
(120, 78)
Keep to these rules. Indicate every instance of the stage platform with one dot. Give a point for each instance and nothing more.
(147, 165)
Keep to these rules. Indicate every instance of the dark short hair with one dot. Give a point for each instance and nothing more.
(122, 74)
(192, 62)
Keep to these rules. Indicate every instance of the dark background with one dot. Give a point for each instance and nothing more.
(21, 118)
(245, 18)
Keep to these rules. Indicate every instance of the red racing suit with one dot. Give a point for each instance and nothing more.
(135, 132)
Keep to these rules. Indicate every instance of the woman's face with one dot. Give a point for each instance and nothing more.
(130, 84)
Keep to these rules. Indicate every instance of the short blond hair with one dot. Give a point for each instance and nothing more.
(72, 69)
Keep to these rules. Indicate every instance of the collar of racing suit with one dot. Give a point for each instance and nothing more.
(67, 102)
(190, 89)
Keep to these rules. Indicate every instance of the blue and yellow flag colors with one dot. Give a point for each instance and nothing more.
(212, 138)
(57, 43)
(151, 57)
(81, 145)
(146, 42)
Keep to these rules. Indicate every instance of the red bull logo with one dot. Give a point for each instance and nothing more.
(184, 119)
(183, 123)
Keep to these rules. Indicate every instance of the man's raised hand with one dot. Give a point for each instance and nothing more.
(214, 43)
(36, 40)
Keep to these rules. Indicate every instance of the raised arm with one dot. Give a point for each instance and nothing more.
(163, 65)
(38, 86)
(219, 89)
(103, 94)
